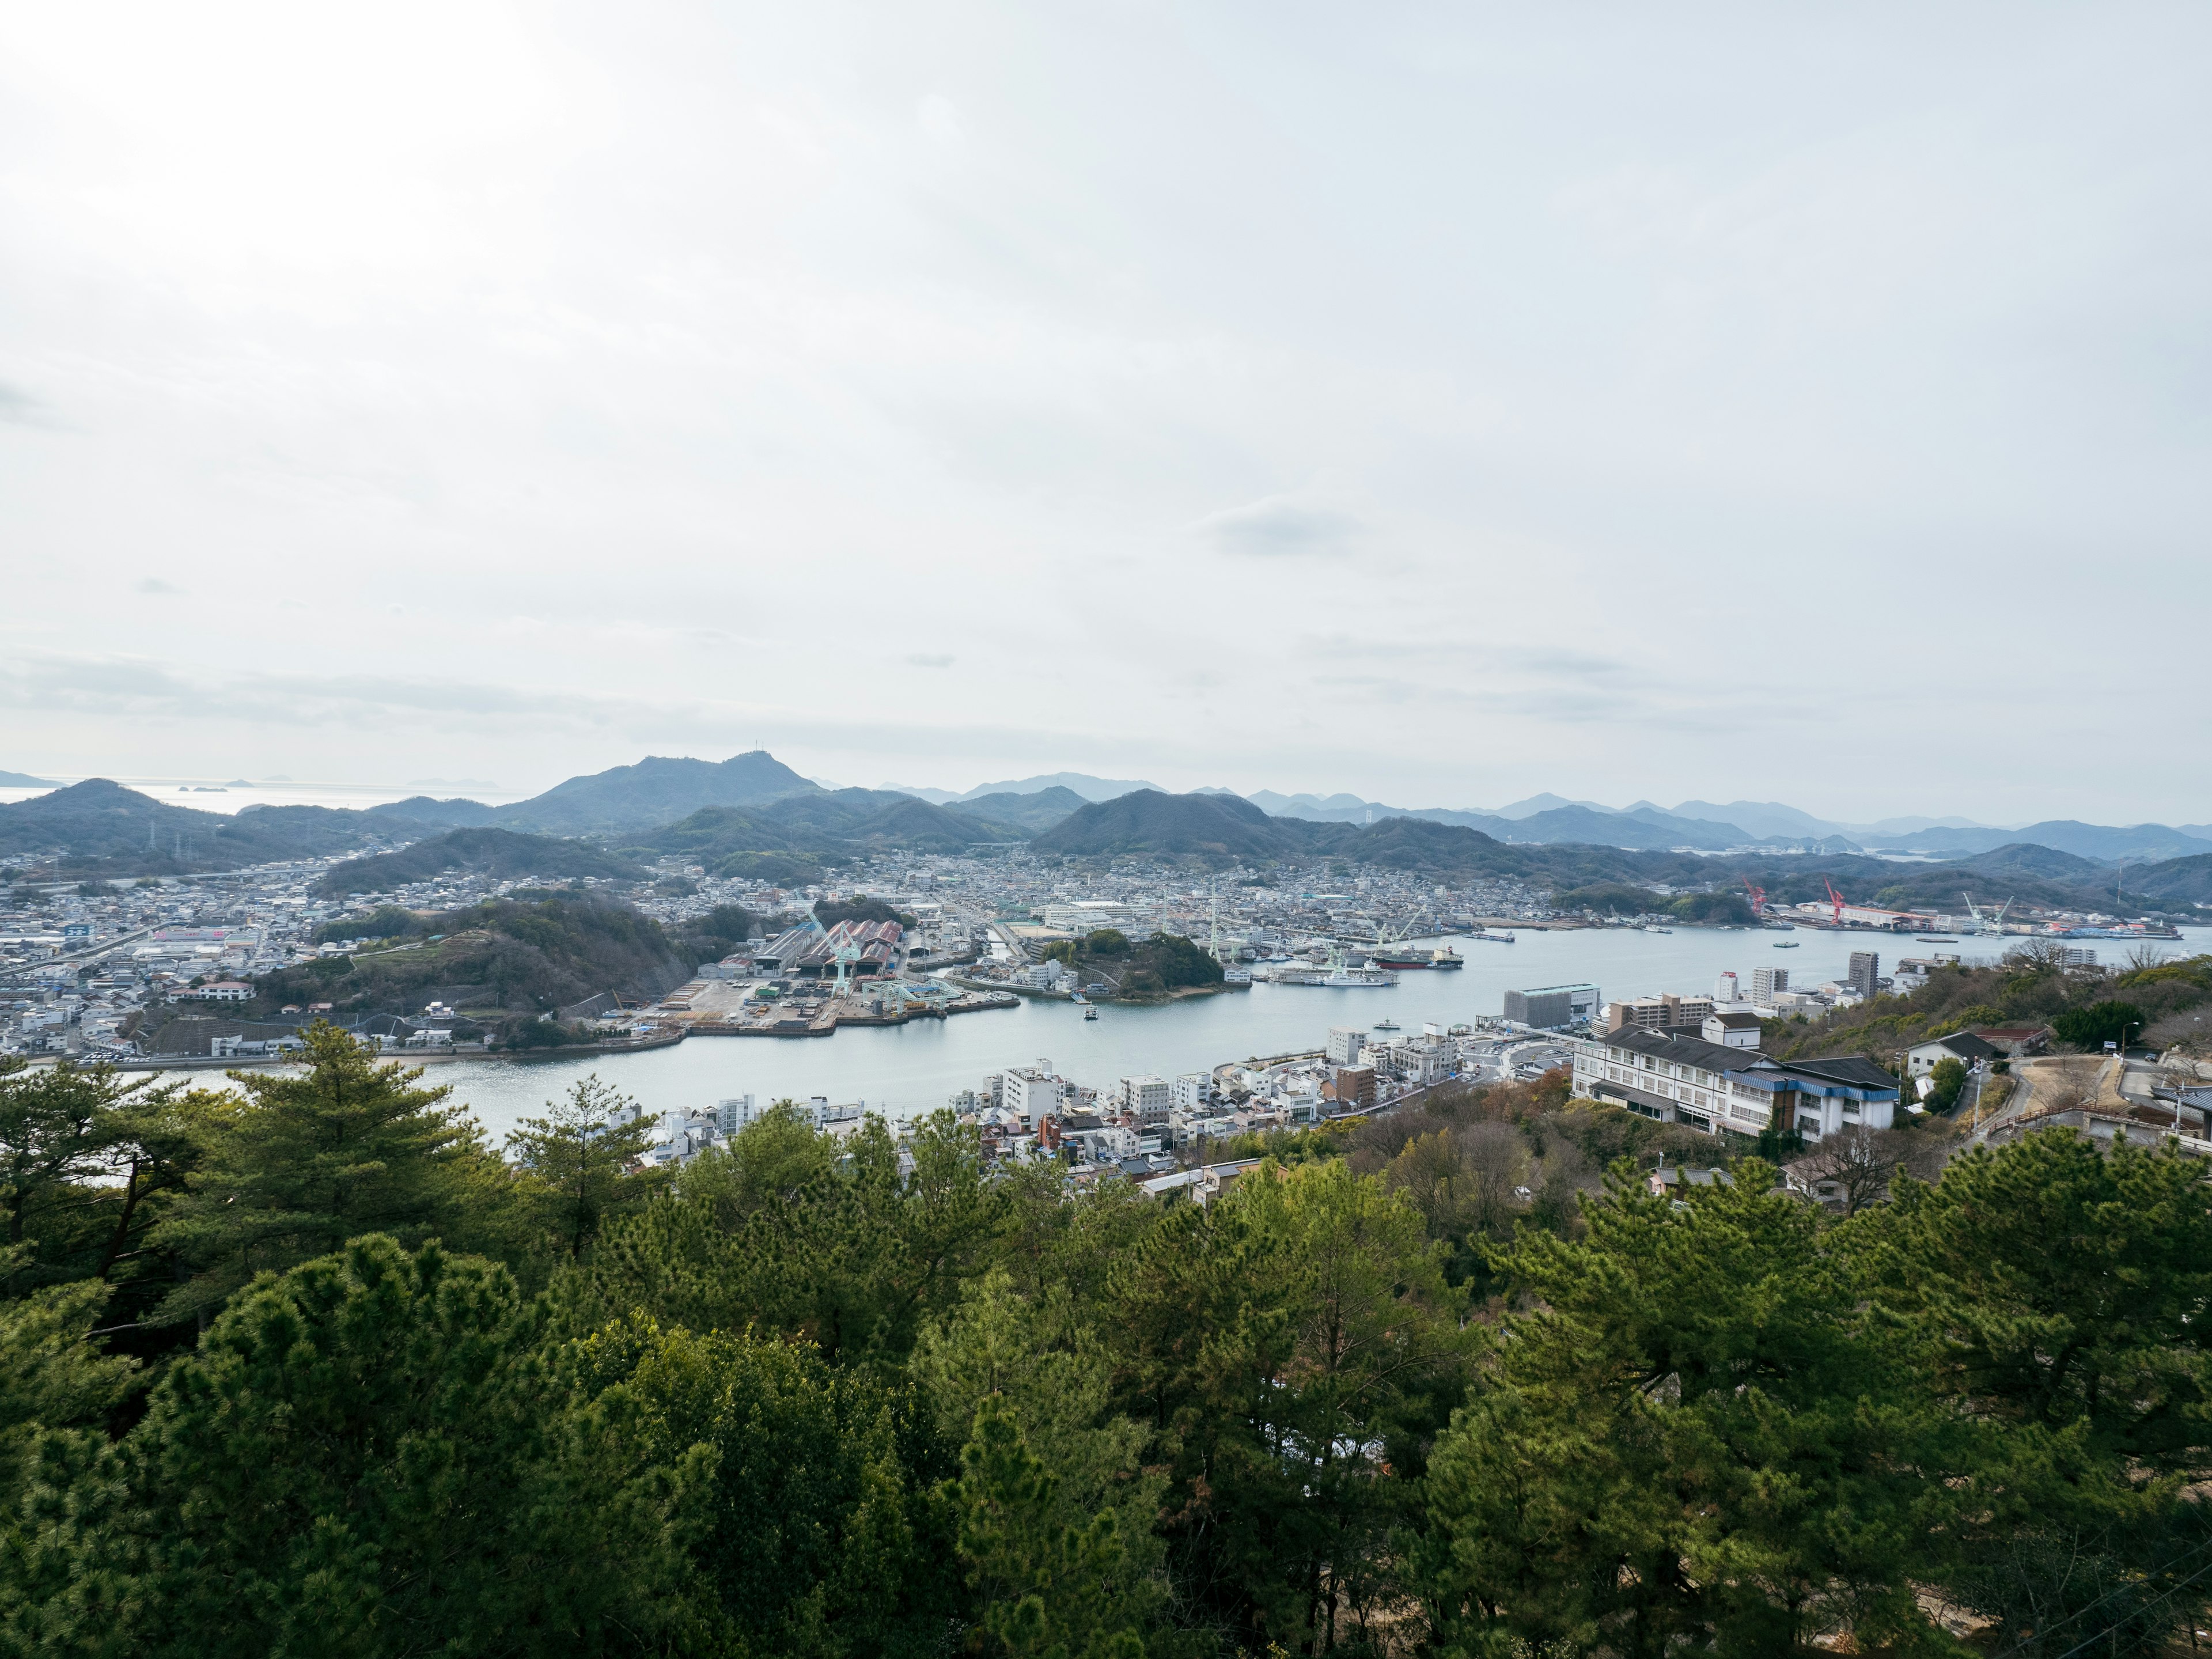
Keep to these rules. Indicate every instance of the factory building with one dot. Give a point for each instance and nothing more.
(1550, 1007)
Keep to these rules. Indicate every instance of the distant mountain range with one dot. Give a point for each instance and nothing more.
(1081, 785)
(751, 814)
(22, 780)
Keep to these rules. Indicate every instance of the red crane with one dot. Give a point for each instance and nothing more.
(1834, 898)
(1758, 898)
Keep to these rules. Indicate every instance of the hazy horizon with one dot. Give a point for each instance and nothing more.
(1724, 404)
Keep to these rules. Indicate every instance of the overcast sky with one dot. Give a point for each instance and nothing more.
(1440, 403)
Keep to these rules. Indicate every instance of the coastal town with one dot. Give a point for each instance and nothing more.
(166, 974)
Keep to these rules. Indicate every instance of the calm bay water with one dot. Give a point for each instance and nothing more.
(911, 1068)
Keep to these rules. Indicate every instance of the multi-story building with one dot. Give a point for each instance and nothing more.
(1766, 981)
(1865, 974)
(1657, 1013)
(1192, 1092)
(1148, 1099)
(1034, 1093)
(1346, 1043)
(1355, 1086)
(1549, 1007)
(1713, 1087)
(1731, 1029)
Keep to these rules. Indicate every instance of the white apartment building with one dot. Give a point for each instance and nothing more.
(1345, 1044)
(1035, 1092)
(1146, 1098)
(1710, 1087)
(1192, 1092)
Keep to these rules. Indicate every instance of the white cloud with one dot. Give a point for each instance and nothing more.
(1278, 527)
(1433, 405)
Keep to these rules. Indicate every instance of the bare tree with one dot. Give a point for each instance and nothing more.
(1860, 1163)
(2146, 955)
(2037, 955)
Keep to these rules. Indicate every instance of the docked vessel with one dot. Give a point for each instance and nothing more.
(1336, 976)
(1397, 957)
(2119, 930)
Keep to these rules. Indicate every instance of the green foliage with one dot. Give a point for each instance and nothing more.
(576, 1164)
(1683, 1442)
(60, 1126)
(716, 934)
(309, 1162)
(1179, 963)
(1727, 909)
(364, 1456)
(1046, 1589)
(1422, 1384)
(51, 1376)
(1286, 1344)
(541, 1034)
(530, 955)
(855, 1259)
(2194, 972)
(2089, 1029)
(1950, 1076)
(811, 1534)
(1107, 942)
(2053, 1293)
(385, 921)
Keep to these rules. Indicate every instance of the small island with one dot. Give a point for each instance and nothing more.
(1160, 969)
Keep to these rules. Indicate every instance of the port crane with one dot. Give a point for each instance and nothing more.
(1758, 899)
(1835, 899)
(847, 955)
(1985, 922)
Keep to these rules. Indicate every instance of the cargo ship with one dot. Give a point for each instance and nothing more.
(2119, 930)
(1392, 957)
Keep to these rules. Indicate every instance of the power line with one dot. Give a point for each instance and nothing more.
(2172, 1561)
(2153, 1603)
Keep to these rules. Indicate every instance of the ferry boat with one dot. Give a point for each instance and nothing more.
(1785, 944)
(1386, 1023)
(1091, 1010)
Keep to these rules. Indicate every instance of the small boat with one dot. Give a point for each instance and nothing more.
(1386, 1023)
(1091, 1010)
(1649, 929)
(1785, 944)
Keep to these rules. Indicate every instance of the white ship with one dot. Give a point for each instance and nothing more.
(1336, 976)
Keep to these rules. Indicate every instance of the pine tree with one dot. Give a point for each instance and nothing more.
(1046, 1589)
(577, 1164)
(309, 1162)
(1689, 1437)
(365, 1456)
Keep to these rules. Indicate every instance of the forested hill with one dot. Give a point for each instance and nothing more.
(99, 827)
(1219, 830)
(501, 854)
(656, 790)
(505, 958)
(327, 1374)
